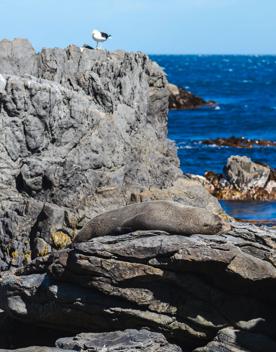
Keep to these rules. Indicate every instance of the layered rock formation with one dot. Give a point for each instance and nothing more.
(188, 288)
(243, 179)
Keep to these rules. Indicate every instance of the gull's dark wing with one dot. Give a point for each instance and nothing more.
(105, 35)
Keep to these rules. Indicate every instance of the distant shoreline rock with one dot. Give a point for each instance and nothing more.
(243, 179)
(181, 99)
(239, 142)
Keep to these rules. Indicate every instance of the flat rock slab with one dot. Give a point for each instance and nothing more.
(125, 341)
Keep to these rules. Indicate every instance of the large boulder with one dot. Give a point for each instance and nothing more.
(243, 179)
(245, 174)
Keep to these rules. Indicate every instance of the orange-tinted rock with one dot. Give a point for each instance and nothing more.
(243, 179)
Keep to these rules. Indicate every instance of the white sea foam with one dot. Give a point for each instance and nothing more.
(185, 147)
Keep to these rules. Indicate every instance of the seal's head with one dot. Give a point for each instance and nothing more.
(208, 222)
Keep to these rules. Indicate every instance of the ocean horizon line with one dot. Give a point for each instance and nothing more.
(202, 54)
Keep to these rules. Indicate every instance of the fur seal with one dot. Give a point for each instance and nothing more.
(166, 216)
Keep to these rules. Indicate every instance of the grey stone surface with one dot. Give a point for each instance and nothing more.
(17, 57)
(187, 288)
(125, 341)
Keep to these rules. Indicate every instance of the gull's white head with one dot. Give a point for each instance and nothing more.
(95, 32)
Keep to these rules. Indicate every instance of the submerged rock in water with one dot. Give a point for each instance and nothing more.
(243, 179)
(239, 142)
(181, 99)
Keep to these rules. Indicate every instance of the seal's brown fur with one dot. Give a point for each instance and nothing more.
(167, 216)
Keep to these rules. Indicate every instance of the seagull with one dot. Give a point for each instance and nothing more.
(99, 36)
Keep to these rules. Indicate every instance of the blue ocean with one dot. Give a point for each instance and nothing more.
(244, 88)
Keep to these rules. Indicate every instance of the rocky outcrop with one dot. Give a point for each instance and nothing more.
(239, 142)
(243, 179)
(181, 99)
(187, 288)
(82, 132)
